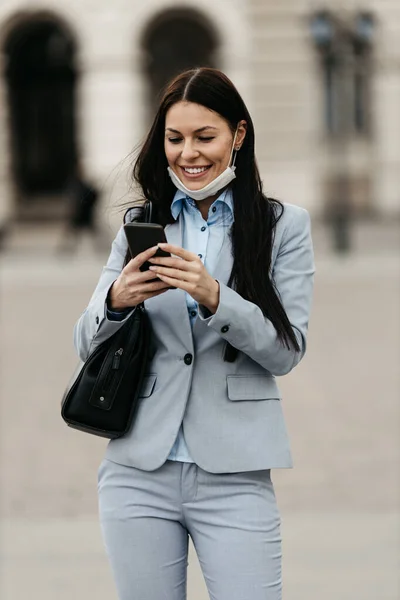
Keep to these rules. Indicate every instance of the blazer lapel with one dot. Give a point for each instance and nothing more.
(173, 233)
(223, 268)
(222, 272)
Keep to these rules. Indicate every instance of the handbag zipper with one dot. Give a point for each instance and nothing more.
(115, 365)
(117, 359)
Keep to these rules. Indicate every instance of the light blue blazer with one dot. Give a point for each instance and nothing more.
(231, 412)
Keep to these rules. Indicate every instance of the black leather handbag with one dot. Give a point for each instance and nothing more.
(103, 395)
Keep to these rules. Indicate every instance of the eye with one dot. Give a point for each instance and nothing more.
(174, 140)
(206, 139)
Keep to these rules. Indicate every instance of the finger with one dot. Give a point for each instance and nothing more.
(174, 273)
(152, 287)
(178, 251)
(142, 276)
(143, 297)
(137, 277)
(177, 283)
(141, 258)
(176, 263)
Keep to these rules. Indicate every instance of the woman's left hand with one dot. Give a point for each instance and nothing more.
(187, 273)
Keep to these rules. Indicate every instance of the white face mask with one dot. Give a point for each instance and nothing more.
(214, 186)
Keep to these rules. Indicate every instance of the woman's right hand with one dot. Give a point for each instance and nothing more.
(133, 285)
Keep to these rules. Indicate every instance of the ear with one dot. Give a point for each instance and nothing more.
(241, 134)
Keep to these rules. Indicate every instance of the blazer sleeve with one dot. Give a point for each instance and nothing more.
(242, 323)
(94, 326)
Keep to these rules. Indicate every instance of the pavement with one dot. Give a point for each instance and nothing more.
(339, 506)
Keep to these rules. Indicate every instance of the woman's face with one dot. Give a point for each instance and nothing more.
(198, 143)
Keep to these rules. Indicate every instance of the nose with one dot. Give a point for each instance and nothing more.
(189, 152)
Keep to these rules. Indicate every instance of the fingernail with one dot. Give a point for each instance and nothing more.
(162, 244)
(152, 268)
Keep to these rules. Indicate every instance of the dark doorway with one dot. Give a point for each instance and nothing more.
(40, 77)
(174, 41)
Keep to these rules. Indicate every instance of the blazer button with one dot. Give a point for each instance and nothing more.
(188, 358)
(97, 320)
(225, 329)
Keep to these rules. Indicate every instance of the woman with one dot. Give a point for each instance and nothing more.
(229, 311)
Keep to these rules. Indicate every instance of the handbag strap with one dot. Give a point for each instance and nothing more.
(143, 214)
(148, 210)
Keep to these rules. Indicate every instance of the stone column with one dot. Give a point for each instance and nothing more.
(285, 106)
(108, 110)
(387, 141)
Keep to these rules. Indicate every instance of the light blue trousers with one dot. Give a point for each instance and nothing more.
(233, 520)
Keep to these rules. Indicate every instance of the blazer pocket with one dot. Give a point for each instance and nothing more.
(148, 384)
(252, 387)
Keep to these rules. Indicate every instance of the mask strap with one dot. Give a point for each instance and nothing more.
(234, 159)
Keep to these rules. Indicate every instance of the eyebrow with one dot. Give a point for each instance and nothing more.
(197, 130)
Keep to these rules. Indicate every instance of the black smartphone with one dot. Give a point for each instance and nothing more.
(142, 236)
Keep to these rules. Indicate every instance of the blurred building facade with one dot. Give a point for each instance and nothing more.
(79, 82)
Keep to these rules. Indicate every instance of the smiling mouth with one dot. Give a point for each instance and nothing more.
(195, 170)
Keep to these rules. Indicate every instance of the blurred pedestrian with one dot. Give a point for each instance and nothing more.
(83, 198)
(209, 427)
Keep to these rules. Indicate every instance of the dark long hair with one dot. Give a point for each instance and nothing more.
(256, 215)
